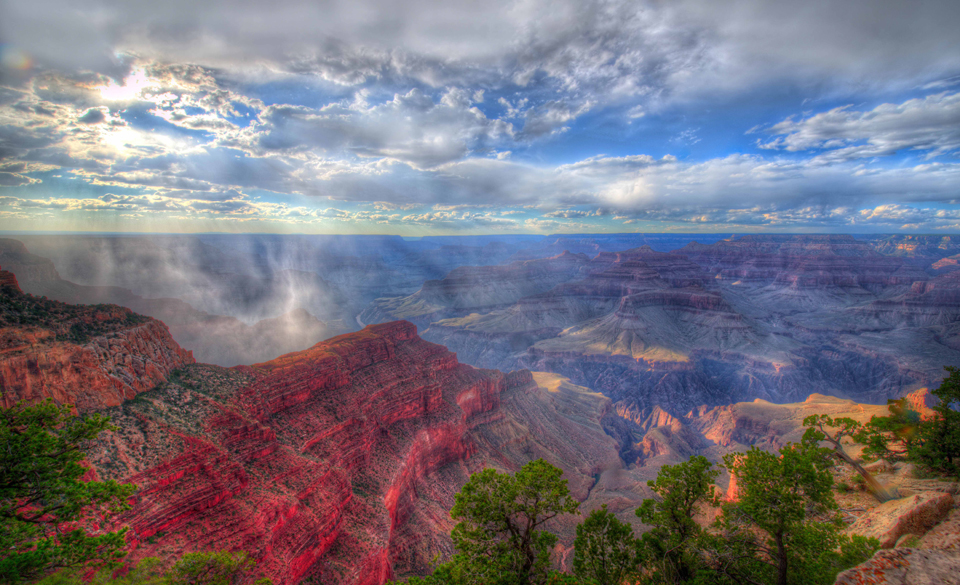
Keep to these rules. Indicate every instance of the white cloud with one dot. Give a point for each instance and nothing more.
(411, 128)
(930, 124)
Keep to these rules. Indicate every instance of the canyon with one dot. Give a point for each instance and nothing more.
(338, 461)
(771, 317)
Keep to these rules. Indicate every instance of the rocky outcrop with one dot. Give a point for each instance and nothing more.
(9, 279)
(912, 515)
(87, 357)
(340, 462)
(905, 566)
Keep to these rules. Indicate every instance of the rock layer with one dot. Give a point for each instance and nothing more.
(905, 566)
(87, 357)
(912, 515)
(340, 462)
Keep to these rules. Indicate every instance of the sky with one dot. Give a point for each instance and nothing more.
(418, 117)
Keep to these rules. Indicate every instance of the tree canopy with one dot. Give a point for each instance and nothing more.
(671, 547)
(501, 537)
(783, 526)
(49, 517)
(606, 552)
(938, 445)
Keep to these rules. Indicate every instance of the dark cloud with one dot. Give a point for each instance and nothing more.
(92, 116)
(613, 48)
(13, 179)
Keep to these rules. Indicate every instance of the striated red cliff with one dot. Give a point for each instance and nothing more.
(9, 279)
(340, 462)
(86, 356)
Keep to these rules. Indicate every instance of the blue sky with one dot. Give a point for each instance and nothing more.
(528, 116)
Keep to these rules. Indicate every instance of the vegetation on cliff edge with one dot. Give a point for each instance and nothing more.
(49, 517)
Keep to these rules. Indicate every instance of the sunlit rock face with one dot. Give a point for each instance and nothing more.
(772, 317)
(340, 462)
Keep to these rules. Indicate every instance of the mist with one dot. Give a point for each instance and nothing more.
(248, 298)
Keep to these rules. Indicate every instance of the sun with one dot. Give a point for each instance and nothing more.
(132, 89)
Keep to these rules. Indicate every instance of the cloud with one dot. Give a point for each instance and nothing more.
(614, 50)
(428, 112)
(411, 127)
(930, 124)
(550, 118)
(92, 116)
(14, 179)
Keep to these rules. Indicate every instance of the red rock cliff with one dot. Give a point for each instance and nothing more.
(87, 356)
(339, 462)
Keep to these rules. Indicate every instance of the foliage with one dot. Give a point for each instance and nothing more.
(938, 447)
(500, 538)
(671, 549)
(894, 437)
(822, 428)
(606, 551)
(934, 443)
(784, 527)
(212, 568)
(74, 323)
(49, 517)
(201, 568)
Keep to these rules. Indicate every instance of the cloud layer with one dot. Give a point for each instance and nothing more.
(414, 117)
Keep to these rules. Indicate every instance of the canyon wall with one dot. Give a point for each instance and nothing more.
(340, 462)
(89, 357)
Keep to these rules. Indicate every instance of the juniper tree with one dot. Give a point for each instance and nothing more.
(49, 517)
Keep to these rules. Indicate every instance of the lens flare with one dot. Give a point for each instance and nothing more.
(13, 58)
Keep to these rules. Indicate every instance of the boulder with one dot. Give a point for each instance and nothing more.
(912, 515)
(905, 566)
(945, 535)
(878, 466)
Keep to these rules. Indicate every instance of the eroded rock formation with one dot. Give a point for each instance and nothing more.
(341, 461)
(771, 317)
(89, 357)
